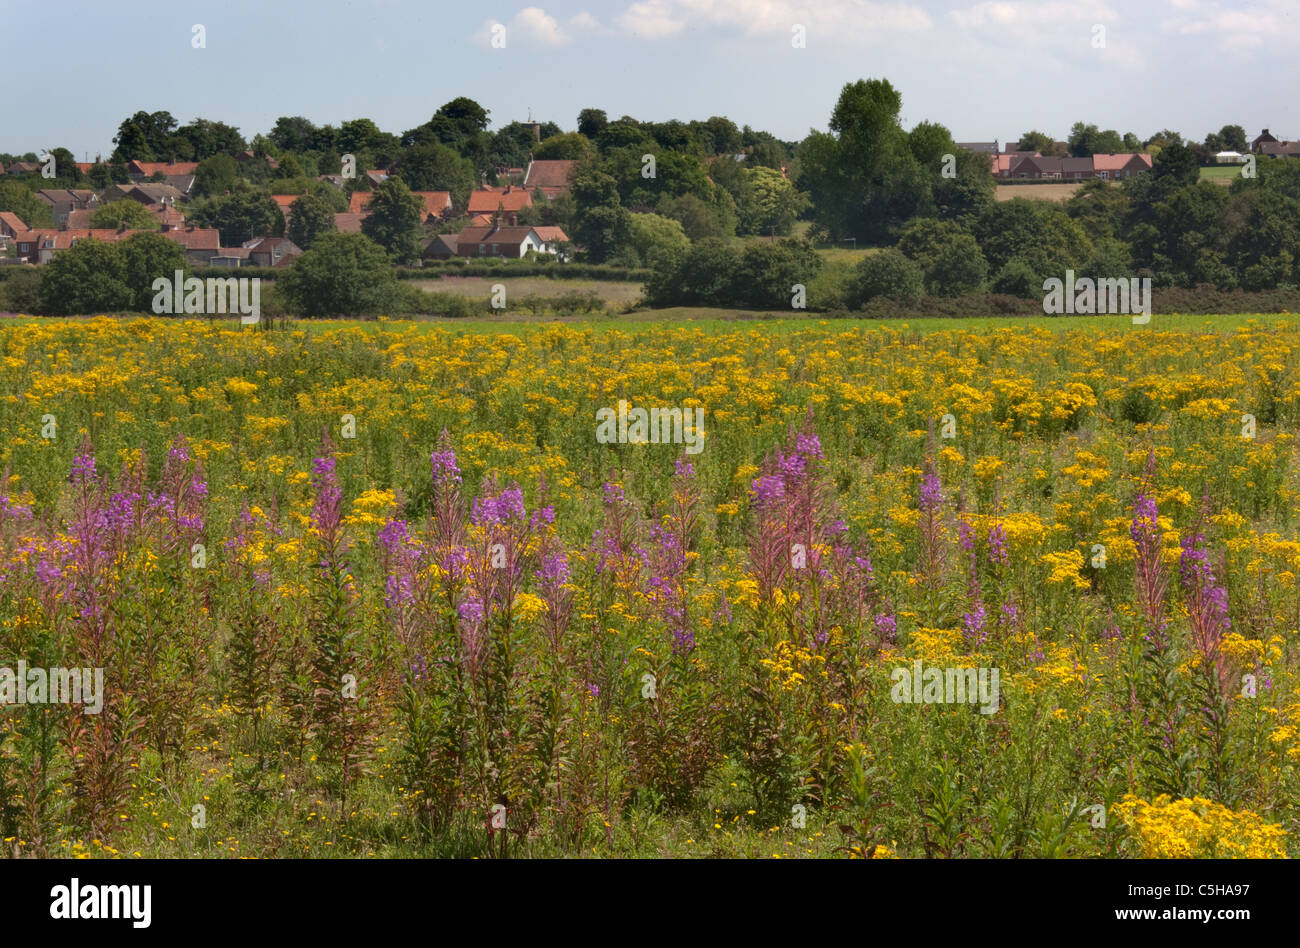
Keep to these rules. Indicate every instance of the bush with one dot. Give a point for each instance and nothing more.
(889, 274)
(1017, 278)
(21, 290)
(342, 275)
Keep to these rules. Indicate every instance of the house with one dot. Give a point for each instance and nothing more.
(11, 225)
(24, 167)
(377, 175)
(507, 201)
(359, 202)
(271, 251)
(143, 193)
(1003, 163)
(495, 241)
(1037, 167)
(284, 202)
(980, 148)
(1117, 166)
(230, 257)
(41, 246)
(201, 244)
(1281, 149)
(137, 171)
(1228, 157)
(62, 201)
(1261, 139)
(1076, 169)
(552, 176)
(551, 238)
(437, 204)
(337, 180)
(348, 223)
(441, 247)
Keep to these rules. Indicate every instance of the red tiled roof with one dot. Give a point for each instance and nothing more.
(348, 223)
(550, 234)
(357, 203)
(489, 200)
(196, 238)
(285, 200)
(435, 202)
(1117, 161)
(12, 221)
(549, 173)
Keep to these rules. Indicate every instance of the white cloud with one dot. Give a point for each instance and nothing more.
(832, 20)
(1267, 21)
(531, 25)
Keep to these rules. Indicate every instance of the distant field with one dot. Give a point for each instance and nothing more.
(1221, 174)
(1041, 192)
(712, 319)
(614, 292)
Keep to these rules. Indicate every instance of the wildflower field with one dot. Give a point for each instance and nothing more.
(379, 590)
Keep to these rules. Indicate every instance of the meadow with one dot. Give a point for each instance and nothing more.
(376, 589)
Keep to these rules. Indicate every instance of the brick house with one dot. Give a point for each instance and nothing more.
(271, 251)
(507, 202)
(510, 242)
(63, 201)
(552, 176)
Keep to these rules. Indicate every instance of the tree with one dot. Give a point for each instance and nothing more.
(948, 256)
(600, 221)
(126, 213)
(215, 175)
(1087, 140)
(698, 218)
(1035, 141)
(454, 124)
(294, 133)
(99, 176)
(565, 146)
(650, 236)
(957, 269)
(591, 122)
(702, 277)
(310, 216)
(394, 221)
(1176, 165)
(769, 203)
(211, 138)
(147, 136)
(342, 275)
(89, 277)
(888, 274)
(1234, 138)
(243, 214)
(768, 273)
(31, 210)
(145, 258)
(862, 176)
(1040, 233)
(437, 167)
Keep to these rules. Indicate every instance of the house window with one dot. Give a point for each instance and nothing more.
(482, 249)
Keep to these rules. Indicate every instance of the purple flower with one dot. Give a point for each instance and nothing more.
(886, 627)
(684, 468)
(83, 469)
(808, 445)
(931, 491)
(613, 494)
(973, 623)
(768, 490)
(393, 536)
(998, 544)
(966, 536)
(444, 466)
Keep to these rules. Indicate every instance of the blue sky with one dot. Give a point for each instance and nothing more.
(986, 70)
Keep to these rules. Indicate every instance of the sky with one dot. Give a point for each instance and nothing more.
(988, 70)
